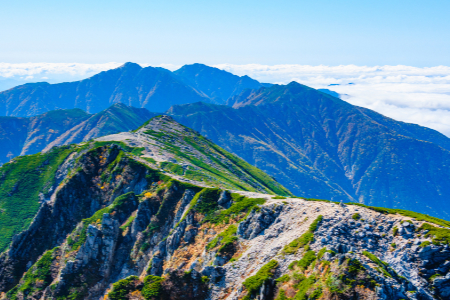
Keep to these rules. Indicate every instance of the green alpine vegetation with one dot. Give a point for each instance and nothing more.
(303, 240)
(439, 235)
(311, 277)
(253, 283)
(240, 208)
(150, 289)
(39, 274)
(223, 239)
(183, 152)
(22, 181)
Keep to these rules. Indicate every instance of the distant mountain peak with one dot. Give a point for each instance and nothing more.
(296, 85)
(130, 65)
(293, 90)
(153, 88)
(197, 66)
(215, 83)
(117, 105)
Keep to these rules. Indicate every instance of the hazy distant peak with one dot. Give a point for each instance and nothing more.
(118, 105)
(217, 84)
(129, 65)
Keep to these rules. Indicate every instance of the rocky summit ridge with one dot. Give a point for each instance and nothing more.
(121, 217)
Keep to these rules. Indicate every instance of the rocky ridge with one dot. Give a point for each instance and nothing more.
(402, 264)
(119, 223)
(219, 85)
(315, 250)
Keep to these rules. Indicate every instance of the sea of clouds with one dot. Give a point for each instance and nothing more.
(409, 94)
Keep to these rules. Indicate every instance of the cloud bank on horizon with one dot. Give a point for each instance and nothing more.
(405, 93)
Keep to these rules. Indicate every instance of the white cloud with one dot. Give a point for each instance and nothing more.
(8, 70)
(405, 93)
(409, 94)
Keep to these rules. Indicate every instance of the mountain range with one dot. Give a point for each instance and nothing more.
(156, 89)
(313, 143)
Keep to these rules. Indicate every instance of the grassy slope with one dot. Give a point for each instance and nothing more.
(224, 168)
(20, 184)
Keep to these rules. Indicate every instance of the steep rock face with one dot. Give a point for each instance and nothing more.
(311, 244)
(22, 136)
(79, 198)
(322, 147)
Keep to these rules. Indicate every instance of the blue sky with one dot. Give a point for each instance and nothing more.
(414, 33)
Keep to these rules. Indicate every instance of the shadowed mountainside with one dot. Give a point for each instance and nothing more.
(322, 147)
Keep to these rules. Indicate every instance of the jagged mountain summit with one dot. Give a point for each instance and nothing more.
(319, 146)
(22, 136)
(121, 218)
(156, 89)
